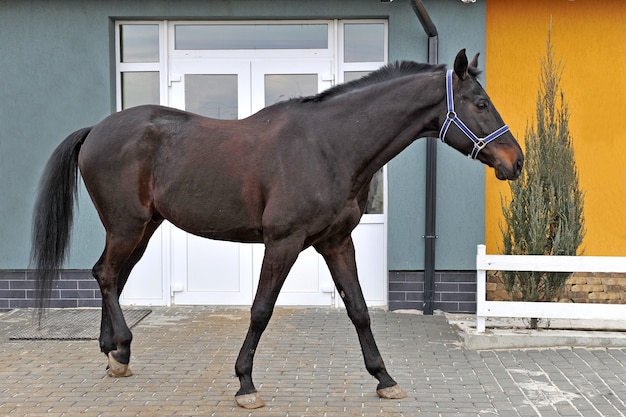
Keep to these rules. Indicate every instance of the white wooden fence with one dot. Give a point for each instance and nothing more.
(520, 309)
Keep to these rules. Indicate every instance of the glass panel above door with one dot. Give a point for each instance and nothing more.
(251, 36)
(212, 95)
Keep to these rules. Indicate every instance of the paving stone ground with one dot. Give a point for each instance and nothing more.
(308, 364)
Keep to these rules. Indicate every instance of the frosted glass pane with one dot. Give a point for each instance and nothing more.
(280, 87)
(375, 201)
(140, 88)
(364, 42)
(353, 75)
(139, 43)
(212, 95)
(221, 37)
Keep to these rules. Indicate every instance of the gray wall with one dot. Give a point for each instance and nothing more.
(56, 75)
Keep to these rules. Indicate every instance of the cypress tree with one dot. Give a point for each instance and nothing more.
(545, 213)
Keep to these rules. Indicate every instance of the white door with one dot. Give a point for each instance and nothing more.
(148, 284)
(309, 282)
(206, 271)
(213, 272)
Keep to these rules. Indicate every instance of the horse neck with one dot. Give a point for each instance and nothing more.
(378, 122)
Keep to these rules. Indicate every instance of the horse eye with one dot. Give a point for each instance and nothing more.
(482, 104)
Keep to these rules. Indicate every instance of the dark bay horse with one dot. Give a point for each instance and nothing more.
(293, 175)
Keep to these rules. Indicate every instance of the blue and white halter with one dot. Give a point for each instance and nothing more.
(451, 117)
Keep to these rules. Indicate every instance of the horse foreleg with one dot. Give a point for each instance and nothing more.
(278, 260)
(341, 262)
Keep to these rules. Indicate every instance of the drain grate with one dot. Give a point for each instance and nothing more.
(71, 324)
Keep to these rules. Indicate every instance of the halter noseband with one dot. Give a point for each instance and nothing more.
(451, 117)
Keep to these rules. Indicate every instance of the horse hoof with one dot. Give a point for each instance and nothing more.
(249, 401)
(391, 393)
(117, 369)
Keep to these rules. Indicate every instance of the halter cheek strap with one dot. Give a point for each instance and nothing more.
(451, 117)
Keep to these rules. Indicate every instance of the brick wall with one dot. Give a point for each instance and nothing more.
(73, 289)
(582, 287)
(455, 291)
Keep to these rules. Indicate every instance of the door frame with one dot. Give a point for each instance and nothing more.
(170, 58)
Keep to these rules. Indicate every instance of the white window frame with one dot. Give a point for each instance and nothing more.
(341, 68)
(160, 67)
(255, 53)
(334, 51)
(359, 66)
(168, 53)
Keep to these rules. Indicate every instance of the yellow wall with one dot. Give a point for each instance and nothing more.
(589, 37)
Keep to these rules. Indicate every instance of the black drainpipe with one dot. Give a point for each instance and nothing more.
(431, 170)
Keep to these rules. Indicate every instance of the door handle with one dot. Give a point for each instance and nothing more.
(174, 78)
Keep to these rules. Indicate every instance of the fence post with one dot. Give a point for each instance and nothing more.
(481, 290)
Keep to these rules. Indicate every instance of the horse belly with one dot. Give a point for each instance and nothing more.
(219, 209)
(217, 227)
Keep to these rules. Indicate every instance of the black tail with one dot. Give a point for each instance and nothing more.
(53, 213)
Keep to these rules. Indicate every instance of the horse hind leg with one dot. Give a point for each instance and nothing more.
(106, 329)
(341, 262)
(115, 336)
(111, 271)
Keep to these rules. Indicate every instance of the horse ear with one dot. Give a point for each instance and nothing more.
(474, 63)
(460, 64)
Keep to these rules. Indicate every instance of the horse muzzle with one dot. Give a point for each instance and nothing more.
(512, 172)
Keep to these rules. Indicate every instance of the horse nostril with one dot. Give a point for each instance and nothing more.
(519, 165)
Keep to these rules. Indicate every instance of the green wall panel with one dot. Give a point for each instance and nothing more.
(460, 182)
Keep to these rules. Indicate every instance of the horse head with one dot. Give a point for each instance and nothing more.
(478, 129)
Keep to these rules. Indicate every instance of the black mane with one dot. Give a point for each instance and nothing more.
(388, 72)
